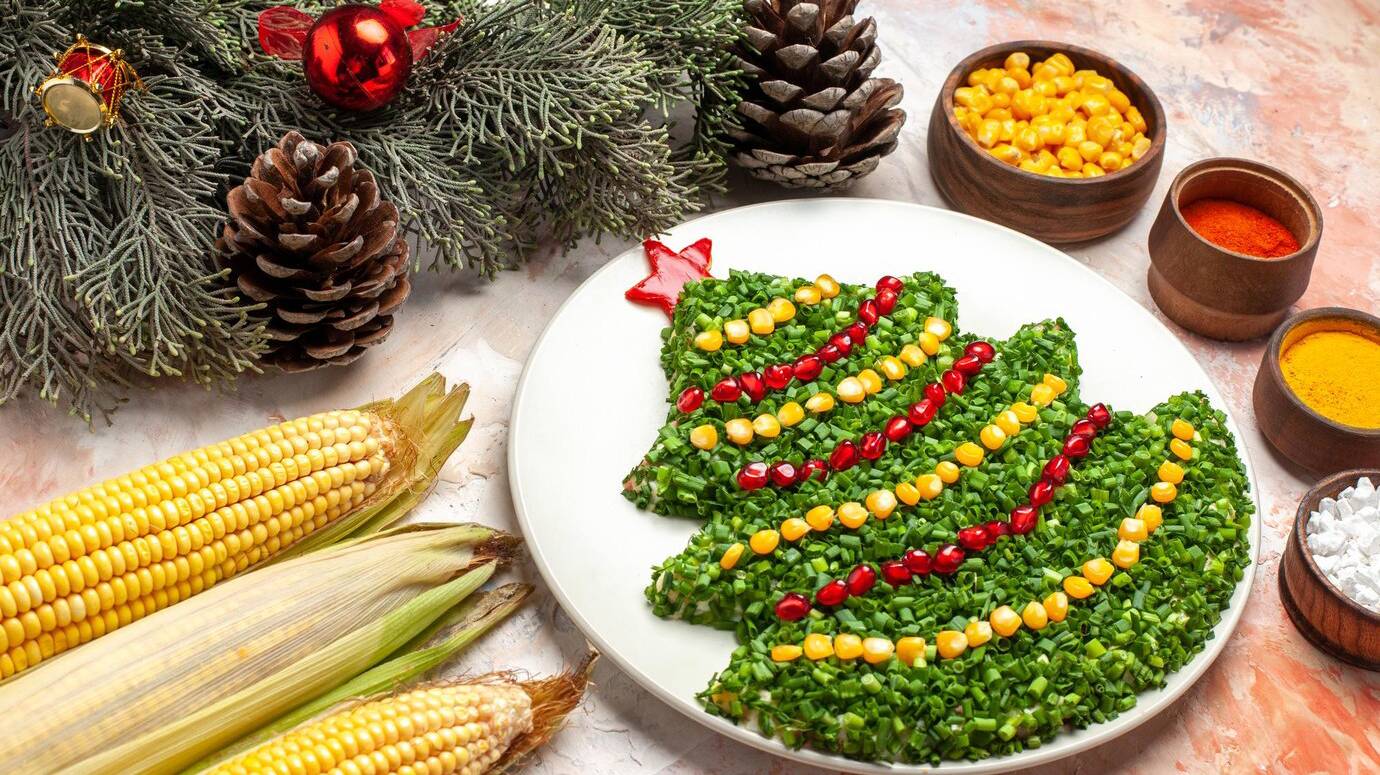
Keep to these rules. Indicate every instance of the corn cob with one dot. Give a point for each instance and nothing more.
(98, 559)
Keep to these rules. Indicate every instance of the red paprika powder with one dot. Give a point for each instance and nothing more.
(1239, 228)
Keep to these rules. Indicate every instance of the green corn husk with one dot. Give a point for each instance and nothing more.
(159, 694)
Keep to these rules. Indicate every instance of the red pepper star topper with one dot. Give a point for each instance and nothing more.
(670, 272)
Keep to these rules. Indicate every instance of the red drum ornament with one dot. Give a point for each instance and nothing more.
(83, 94)
(357, 58)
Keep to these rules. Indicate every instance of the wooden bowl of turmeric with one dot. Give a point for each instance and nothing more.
(1232, 248)
(1317, 394)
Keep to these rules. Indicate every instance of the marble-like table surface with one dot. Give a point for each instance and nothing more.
(1291, 83)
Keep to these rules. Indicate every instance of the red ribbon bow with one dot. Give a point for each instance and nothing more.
(283, 29)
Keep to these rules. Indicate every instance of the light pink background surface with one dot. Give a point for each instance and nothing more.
(1292, 84)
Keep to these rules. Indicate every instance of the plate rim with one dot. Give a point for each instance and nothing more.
(1095, 736)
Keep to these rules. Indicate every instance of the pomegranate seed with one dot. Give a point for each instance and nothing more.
(856, 332)
(782, 473)
(1077, 447)
(868, 312)
(953, 381)
(833, 593)
(690, 399)
(936, 394)
(808, 367)
(886, 301)
(753, 476)
(792, 607)
(895, 573)
(996, 529)
(889, 283)
(842, 341)
(1083, 428)
(1023, 519)
(980, 350)
(1100, 415)
(844, 456)
(921, 412)
(897, 428)
(1057, 469)
(974, 538)
(1041, 492)
(778, 376)
(948, 558)
(873, 445)
(861, 579)
(752, 384)
(917, 561)
(811, 467)
(726, 390)
(829, 353)
(968, 365)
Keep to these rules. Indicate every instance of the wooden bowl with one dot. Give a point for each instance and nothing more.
(1318, 443)
(1056, 210)
(1333, 622)
(1216, 292)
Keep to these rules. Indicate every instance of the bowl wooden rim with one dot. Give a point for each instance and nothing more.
(1329, 487)
(970, 62)
(1274, 175)
(1277, 374)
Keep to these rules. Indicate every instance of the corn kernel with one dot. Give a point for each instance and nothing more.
(929, 343)
(1008, 422)
(852, 514)
(977, 632)
(951, 643)
(794, 529)
(947, 471)
(1182, 429)
(1110, 161)
(1171, 472)
(939, 327)
(818, 646)
(871, 381)
(789, 414)
(1056, 383)
(992, 437)
(989, 132)
(1091, 170)
(1056, 606)
(1006, 152)
(828, 286)
(910, 650)
(764, 541)
(819, 403)
(738, 430)
(808, 294)
(1151, 515)
(929, 486)
(1042, 395)
(847, 646)
(1017, 60)
(907, 493)
(1181, 449)
(877, 650)
(969, 454)
(761, 322)
(1034, 616)
(881, 503)
(1132, 529)
(1126, 554)
(709, 341)
(1005, 621)
(737, 331)
(1097, 571)
(767, 426)
(786, 652)
(1163, 492)
(1134, 117)
(820, 518)
(781, 310)
(850, 390)
(704, 437)
(1025, 412)
(892, 368)
(731, 557)
(1078, 587)
(912, 355)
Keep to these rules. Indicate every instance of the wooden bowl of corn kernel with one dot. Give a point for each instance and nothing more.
(1054, 140)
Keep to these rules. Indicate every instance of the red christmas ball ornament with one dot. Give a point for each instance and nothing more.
(792, 607)
(357, 57)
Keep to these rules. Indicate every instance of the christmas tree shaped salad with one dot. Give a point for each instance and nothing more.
(928, 544)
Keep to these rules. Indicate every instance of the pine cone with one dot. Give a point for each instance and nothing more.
(309, 237)
(813, 117)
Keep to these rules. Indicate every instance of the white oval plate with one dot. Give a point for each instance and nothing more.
(593, 396)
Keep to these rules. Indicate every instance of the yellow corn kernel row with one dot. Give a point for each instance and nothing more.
(429, 731)
(1005, 621)
(764, 320)
(1053, 120)
(102, 557)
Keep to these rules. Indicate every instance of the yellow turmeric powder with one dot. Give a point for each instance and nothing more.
(1336, 373)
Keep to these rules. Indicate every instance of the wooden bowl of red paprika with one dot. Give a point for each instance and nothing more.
(1232, 248)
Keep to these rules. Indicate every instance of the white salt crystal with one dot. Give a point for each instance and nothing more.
(1329, 542)
(1344, 538)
